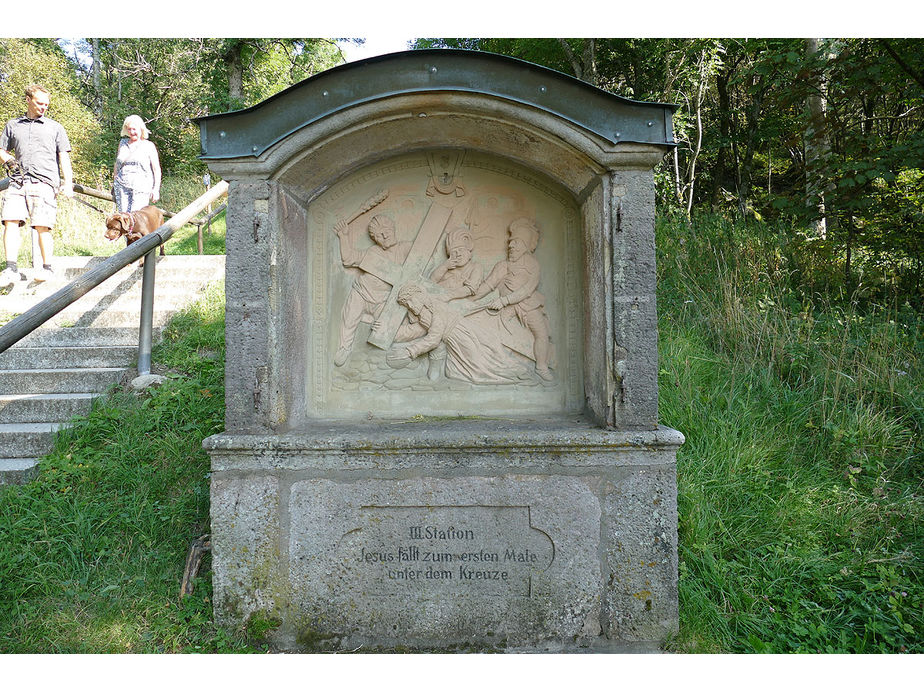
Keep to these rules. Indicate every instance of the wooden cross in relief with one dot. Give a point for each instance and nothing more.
(416, 262)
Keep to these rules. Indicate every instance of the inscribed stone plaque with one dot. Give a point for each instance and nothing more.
(429, 554)
(448, 549)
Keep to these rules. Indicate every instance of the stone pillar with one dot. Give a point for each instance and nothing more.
(635, 319)
(621, 338)
(247, 302)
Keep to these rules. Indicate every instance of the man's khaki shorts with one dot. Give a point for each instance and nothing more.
(33, 202)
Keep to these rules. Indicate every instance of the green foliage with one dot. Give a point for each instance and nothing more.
(744, 131)
(799, 482)
(542, 51)
(41, 61)
(95, 547)
(265, 66)
(170, 82)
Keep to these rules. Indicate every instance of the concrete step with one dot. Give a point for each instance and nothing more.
(27, 439)
(47, 408)
(108, 317)
(19, 358)
(176, 274)
(53, 374)
(17, 470)
(185, 267)
(58, 380)
(175, 292)
(85, 336)
(81, 263)
(167, 296)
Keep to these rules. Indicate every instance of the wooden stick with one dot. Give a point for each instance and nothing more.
(373, 201)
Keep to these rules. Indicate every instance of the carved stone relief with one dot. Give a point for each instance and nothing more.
(449, 271)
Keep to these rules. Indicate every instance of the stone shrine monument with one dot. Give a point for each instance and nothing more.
(442, 405)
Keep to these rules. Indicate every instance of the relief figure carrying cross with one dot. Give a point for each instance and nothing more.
(383, 269)
(371, 289)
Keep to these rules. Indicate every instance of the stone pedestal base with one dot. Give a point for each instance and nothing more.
(432, 535)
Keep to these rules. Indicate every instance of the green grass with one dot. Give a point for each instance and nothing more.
(800, 484)
(94, 549)
(800, 481)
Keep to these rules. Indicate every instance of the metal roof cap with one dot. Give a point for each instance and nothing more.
(252, 131)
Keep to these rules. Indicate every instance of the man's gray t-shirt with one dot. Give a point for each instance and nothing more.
(36, 144)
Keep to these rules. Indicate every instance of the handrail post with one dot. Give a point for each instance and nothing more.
(146, 330)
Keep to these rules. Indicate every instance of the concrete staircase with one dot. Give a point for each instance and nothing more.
(53, 374)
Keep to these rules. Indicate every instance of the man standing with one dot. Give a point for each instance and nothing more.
(34, 148)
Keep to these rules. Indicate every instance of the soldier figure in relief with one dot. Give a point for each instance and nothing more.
(369, 293)
(516, 280)
(458, 273)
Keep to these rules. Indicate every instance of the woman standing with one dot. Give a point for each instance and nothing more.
(136, 174)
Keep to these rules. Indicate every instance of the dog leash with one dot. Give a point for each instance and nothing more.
(15, 172)
(93, 207)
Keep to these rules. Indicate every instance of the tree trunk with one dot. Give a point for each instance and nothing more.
(235, 64)
(585, 65)
(97, 92)
(817, 143)
(721, 163)
(745, 163)
(849, 250)
(700, 96)
(117, 70)
(677, 191)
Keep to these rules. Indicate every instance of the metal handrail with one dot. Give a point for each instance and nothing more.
(43, 311)
(92, 192)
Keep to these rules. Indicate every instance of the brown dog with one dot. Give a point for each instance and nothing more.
(134, 225)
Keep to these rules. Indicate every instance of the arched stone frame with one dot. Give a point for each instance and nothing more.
(609, 179)
(292, 493)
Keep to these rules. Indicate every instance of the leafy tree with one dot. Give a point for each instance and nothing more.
(41, 61)
(247, 71)
(825, 130)
(817, 141)
(877, 109)
(170, 82)
(542, 51)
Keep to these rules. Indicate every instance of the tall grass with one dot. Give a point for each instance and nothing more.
(800, 482)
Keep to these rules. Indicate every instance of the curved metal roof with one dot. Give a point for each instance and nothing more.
(251, 131)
